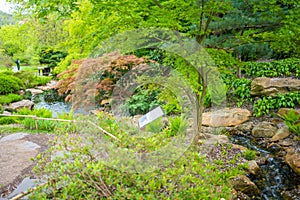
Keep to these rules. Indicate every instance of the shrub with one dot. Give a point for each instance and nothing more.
(31, 123)
(31, 80)
(78, 176)
(278, 68)
(9, 84)
(266, 104)
(1, 109)
(142, 102)
(7, 99)
(7, 120)
(51, 57)
(249, 154)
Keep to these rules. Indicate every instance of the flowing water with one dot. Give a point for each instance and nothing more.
(275, 175)
(52, 101)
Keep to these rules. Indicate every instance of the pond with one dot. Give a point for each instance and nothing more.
(52, 101)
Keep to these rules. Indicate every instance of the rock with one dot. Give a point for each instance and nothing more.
(246, 127)
(292, 158)
(21, 104)
(261, 161)
(253, 167)
(34, 91)
(291, 195)
(274, 86)
(243, 184)
(6, 113)
(240, 147)
(281, 134)
(263, 130)
(284, 111)
(226, 117)
(215, 139)
(286, 142)
(51, 85)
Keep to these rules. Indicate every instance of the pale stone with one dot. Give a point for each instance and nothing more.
(293, 160)
(281, 134)
(274, 86)
(21, 104)
(226, 117)
(34, 91)
(253, 167)
(243, 184)
(264, 130)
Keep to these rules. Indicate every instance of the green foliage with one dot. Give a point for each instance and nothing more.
(178, 125)
(155, 126)
(241, 89)
(31, 80)
(7, 120)
(190, 177)
(292, 120)
(1, 109)
(142, 102)
(249, 154)
(266, 104)
(9, 84)
(223, 60)
(30, 123)
(7, 99)
(279, 68)
(51, 57)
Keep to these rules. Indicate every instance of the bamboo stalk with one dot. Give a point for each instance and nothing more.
(38, 118)
(23, 194)
(104, 131)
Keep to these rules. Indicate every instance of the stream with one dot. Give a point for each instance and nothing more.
(275, 175)
(51, 101)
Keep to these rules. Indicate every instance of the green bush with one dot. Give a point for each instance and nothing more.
(266, 104)
(249, 154)
(7, 120)
(178, 125)
(222, 59)
(31, 123)
(30, 79)
(142, 101)
(7, 99)
(81, 177)
(1, 109)
(9, 84)
(51, 57)
(278, 68)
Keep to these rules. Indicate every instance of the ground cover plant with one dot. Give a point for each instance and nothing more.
(79, 174)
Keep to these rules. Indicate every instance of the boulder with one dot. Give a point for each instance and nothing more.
(284, 111)
(226, 117)
(253, 167)
(264, 130)
(212, 140)
(51, 85)
(292, 158)
(243, 184)
(34, 91)
(246, 127)
(6, 113)
(281, 134)
(263, 86)
(21, 104)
